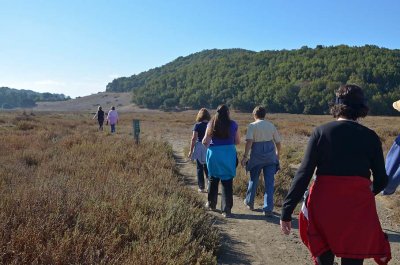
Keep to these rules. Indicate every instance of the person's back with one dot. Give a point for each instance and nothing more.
(100, 115)
(112, 117)
(262, 130)
(200, 128)
(346, 148)
(339, 217)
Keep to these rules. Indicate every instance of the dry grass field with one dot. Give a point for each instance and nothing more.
(72, 195)
(295, 129)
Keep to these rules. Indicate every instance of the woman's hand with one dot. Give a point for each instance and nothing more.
(244, 161)
(190, 154)
(286, 227)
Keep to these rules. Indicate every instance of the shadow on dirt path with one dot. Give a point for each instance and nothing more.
(250, 238)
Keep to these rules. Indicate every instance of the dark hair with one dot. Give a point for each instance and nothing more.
(203, 115)
(220, 123)
(259, 112)
(350, 103)
(113, 108)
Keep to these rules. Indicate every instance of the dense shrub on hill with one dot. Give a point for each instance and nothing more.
(294, 81)
(15, 98)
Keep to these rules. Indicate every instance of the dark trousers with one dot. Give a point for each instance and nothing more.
(100, 124)
(201, 172)
(227, 194)
(327, 258)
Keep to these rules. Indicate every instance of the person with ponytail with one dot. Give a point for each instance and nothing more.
(222, 135)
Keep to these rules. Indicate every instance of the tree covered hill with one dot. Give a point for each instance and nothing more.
(15, 98)
(293, 81)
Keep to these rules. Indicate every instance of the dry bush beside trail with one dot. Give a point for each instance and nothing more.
(72, 195)
(294, 129)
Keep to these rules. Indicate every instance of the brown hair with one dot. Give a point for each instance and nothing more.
(203, 115)
(220, 123)
(350, 103)
(259, 112)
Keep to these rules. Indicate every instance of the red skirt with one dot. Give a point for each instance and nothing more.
(340, 215)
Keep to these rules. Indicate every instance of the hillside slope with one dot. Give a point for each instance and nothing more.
(293, 81)
(121, 101)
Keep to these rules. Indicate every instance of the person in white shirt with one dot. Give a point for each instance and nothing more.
(263, 140)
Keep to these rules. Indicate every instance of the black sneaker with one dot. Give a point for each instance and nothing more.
(268, 213)
(208, 207)
(226, 215)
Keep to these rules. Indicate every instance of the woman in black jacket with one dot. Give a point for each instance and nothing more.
(339, 217)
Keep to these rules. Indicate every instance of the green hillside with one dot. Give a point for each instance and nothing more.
(294, 81)
(15, 98)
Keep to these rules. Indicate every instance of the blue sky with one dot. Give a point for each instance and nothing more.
(76, 47)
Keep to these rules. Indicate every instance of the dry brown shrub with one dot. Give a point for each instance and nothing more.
(86, 197)
(25, 126)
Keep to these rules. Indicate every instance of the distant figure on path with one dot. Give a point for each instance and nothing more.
(265, 143)
(222, 135)
(112, 118)
(339, 216)
(100, 117)
(393, 162)
(197, 149)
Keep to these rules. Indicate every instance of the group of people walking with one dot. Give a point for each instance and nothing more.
(213, 147)
(112, 118)
(338, 216)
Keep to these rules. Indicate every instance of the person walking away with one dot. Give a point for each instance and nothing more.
(263, 139)
(112, 118)
(393, 162)
(339, 217)
(100, 117)
(221, 136)
(197, 149)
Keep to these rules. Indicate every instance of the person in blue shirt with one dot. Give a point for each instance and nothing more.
(392, 164)
(197, 149)
(222, 135)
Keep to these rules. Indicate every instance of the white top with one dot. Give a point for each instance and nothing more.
(261, 131)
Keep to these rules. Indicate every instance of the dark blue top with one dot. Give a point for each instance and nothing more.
(200, 128)
(226, 141)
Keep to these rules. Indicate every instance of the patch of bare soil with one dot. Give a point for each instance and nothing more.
(250, 238)
(121, 101)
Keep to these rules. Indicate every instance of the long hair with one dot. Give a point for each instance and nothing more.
(220, 123)
(203, 115)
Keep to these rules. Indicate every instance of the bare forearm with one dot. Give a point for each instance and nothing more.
(278, 149)
(247, 148)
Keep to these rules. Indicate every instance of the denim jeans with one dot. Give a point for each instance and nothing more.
(112, 128)
(269, 173)
(201, 172)
(227, 194)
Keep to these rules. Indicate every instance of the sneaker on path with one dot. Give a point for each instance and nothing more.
(251, 208)
(268, 213)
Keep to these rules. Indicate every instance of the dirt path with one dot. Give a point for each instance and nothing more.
(250, 238)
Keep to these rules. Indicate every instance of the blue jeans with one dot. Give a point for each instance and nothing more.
(201, 172)
(112, 128)
(269, 173)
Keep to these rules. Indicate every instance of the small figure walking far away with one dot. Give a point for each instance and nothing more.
(100, 117)
(112, 118)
